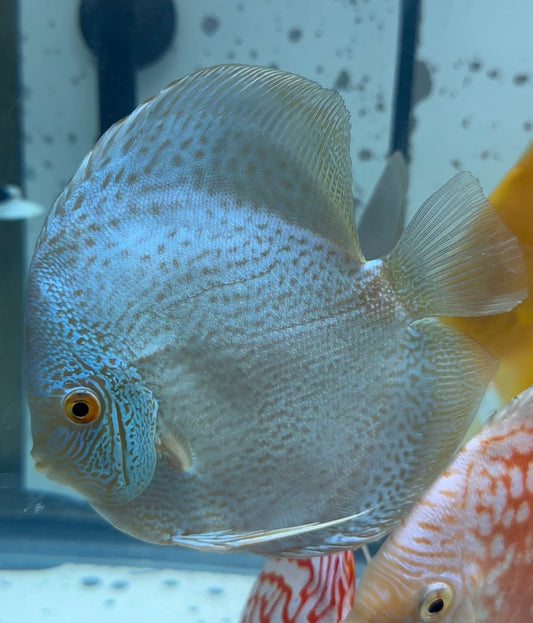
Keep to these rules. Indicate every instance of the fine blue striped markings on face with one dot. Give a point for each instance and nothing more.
(97, 434)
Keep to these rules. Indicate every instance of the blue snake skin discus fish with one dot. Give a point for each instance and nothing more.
(210, 359)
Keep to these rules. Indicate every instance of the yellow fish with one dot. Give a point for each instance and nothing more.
(464, 554)
(210, 359)
(509, 336)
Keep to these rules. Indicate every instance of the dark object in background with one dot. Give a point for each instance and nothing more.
(4, 192)
(11, 256)
(124, 36)
(407, 45)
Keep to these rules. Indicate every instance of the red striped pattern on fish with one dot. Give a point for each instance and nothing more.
(303, 590)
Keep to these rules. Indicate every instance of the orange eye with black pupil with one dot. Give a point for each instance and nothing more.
(82, 406)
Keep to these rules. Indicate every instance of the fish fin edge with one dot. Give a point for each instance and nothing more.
(456, 257)
(381, 223)
(282, 123)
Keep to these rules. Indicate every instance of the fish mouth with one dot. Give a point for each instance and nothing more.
(43, 467)
(39, 462)
(40, 466)
(92, 491)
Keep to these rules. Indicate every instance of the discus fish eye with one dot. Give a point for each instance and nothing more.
(82, 406)
(436, 602)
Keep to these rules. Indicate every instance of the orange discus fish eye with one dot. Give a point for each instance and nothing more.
(436, 602)
(82, 406)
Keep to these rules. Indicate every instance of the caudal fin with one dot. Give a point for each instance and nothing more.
(509, 336)
(456, 256)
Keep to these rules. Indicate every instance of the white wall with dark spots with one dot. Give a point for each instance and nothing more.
(345, 44)
(87, 593)
(476, 59)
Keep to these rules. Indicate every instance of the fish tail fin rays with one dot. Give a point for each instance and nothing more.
(473, 429)
(460, 371)
(521, 406)
(456, 257)
(509, 336)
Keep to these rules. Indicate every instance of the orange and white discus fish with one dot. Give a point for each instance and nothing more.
(295, 590)
(464, 554)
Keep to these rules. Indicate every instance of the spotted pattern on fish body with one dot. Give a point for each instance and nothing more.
(312, 590)
(472, 532)
(250, 381)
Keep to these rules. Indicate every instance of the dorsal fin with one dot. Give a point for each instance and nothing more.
(381, 223)
(265, 138)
